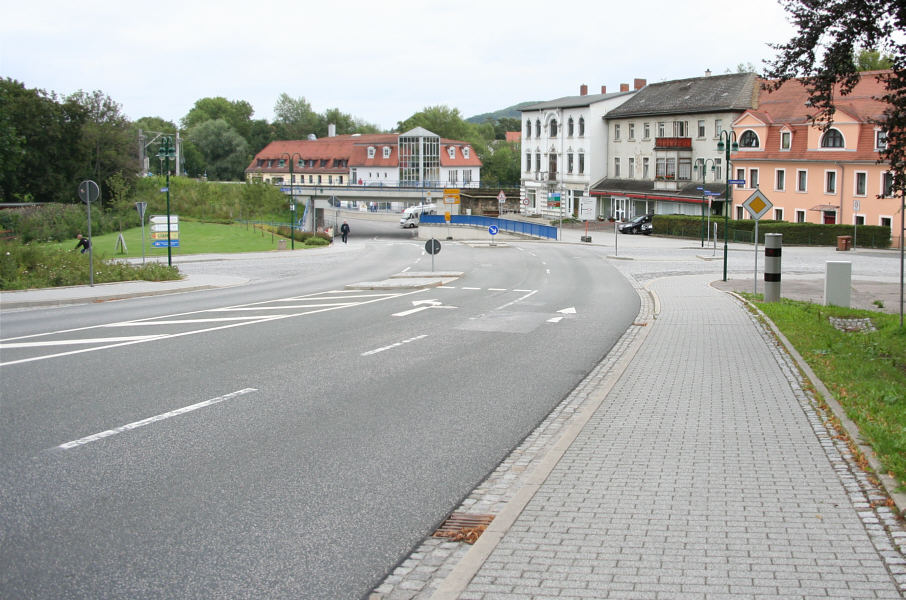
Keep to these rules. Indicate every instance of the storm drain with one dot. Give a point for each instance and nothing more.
(464, 527)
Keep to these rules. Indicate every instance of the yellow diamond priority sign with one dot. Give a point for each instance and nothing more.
(757, 204)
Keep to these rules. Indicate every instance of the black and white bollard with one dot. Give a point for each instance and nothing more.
(772, 247)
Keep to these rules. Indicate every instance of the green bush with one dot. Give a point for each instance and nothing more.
(54, 222)
(213, 201)
(804, 234)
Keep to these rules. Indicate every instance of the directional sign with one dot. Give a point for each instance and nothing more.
(163, 243)
(163, 227)
(157, 219)
(737, 182)
(451, 196)
(493, 230)
(432, 246)
(757, 204)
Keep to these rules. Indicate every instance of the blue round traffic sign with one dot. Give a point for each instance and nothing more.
(493, 230)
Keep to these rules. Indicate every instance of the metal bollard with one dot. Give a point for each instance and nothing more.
(773, 243)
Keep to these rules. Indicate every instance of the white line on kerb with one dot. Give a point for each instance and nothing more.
(154, 419)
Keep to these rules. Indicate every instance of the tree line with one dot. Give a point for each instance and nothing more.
(49, 143)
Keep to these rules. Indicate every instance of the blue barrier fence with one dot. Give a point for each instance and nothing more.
(523, 227)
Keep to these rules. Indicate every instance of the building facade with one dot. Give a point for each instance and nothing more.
(417, 158)
(564, 150)
(661, 144)
(813, 175)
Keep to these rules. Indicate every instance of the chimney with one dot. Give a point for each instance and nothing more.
(331, 130)
(624, 87)
(639, 83)
(707, 72)
(583, 90)
(603, 89)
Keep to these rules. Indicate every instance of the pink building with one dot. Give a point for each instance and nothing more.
(811, 175)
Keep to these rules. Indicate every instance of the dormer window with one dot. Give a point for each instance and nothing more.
(786, 140)
(370, 151)
(748, 139)
(880, 140)
(832, 139)
(465, 152)
(386, 151)
(452, 152)
(281, 163)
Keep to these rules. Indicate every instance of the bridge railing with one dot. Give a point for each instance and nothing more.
(523, 227)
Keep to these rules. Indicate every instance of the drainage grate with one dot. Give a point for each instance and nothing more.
(464, 527)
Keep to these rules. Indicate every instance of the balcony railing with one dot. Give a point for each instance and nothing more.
(673, 143)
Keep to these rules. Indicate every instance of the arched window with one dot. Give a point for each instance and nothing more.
(832, 139)
(569, 131)
(581, 126)
(538, 127)
(553, 127)
(528, 129)
(748, 139)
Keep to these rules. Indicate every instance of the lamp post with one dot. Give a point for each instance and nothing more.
(722, 146)
(292, 198)
(166, 152)
(702, 164)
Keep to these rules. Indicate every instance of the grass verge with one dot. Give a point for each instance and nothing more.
(865, 369)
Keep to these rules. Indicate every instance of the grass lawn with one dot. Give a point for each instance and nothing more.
(864, 369)
(194, 238)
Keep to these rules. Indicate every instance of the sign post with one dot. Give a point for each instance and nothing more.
(758, 205)
(493, 229)
(432, 247)
(140, 207)
(89, 192)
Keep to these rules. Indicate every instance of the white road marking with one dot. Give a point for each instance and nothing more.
(109, 340)
(555, 319)
(568, 311)
(182, 321)
(391, 346)
(497, 289)
(135, 425)
(471, 288)
(519, 299)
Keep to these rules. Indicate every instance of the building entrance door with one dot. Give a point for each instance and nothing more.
(621, 207)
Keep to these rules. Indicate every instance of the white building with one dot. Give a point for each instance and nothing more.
(662, 146)
(564, 148)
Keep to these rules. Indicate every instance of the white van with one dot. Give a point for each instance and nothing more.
(412, 214)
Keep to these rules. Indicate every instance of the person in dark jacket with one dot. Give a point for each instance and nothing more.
(84, 242)
(344, 229)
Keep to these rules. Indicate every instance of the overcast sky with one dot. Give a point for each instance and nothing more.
(380, 61)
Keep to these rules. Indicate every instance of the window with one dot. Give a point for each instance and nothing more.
(581, 126)
(528, 129)
(718, 127)
(537, 161)
(740, 174)
(645, 166)
(887, 185)
(801, 181)
(370, 151)
(553, 127)
(646, 131)
(681, 129)
(528, 161)
(778, 214)
(569, 130)
(748, 139)
(717, 170)
(861, 182)
(880, 140)
(451, 151)
(860, 219)
(340, 180)
(832, 139)
(330, 179)
(660, 129)
(800, 215)
(830, 182)
(671, 168)
(780, 180)
(753, 178)
(569, 162)
(581, 163)
(616, 167)
(685, 169)
(281, 163)
(632, 131)
(453, 176)
(386, 151)
(310, 178)
(616, 132)
(631, 167)
(886, 221)
(465, 152)
(270, 163)
(660, 168)
(467, 175)
(701, 128)
(319, 179)
(786, 138)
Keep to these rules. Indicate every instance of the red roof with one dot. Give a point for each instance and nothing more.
(514, 136)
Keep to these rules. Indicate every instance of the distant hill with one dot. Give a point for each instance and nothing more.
(509, 112)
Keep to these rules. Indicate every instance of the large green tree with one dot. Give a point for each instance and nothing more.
(225, 152)
(444, 121)
(823, 51)
(294, 118)
(238, 114)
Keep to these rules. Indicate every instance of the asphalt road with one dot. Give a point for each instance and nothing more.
(286, 439)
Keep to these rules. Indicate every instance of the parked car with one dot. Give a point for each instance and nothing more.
(640, 224)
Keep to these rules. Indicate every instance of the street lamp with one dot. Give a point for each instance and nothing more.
(292, 199)
(166, 152)
(730, 145)
(702, 165)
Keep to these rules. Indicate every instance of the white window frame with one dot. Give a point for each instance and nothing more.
(757, 145)
(616, 132)
(646, 131)
(631, 128)
(884, 175)
(386, 151)
(630, 167)
(880, 140)
(718, 127)
(789, 135)
(800, 212)
(371, 151)
(616, 167)
(804, 189)
(741, 174)
(701, 129)
(754, 178)
(827, 180)
(465, 152)
(864, 192)
(881, 221)
(451, 151)
(780, 188)
(778, 213)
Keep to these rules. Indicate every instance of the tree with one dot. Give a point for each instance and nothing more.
(824, 53)
(500, 165)
(225, 152)
(442, 120)
(294, 118)
(238, 114)
(872, 60)
(107, 143)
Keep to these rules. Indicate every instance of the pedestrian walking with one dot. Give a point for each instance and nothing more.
(344, 229)
(84, 242)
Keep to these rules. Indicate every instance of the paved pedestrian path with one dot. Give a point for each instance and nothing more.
(705, 472)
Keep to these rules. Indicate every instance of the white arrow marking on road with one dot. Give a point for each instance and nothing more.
(568, 311)
(431, 302)
(555, 319)
(418, 308)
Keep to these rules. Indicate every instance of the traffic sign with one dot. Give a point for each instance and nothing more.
(493, 230)
(157, 219)
(432, 246)
(501, 197)
(451, 196)
(757, 204)
(737, 181)
(89, 191)
(140, 207)
(163, 243)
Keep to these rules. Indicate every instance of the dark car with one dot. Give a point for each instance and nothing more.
(639, 224)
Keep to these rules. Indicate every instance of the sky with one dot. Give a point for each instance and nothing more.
(379, 61)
